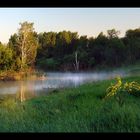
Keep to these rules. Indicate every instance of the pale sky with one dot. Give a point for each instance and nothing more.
(85, 21)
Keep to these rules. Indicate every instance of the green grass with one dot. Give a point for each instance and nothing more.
(80, 109)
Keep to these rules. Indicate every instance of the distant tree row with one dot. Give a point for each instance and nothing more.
(67, 50)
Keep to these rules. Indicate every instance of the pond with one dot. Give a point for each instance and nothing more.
(54, 80)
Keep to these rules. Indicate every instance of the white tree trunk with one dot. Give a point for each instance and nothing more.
(76, 64)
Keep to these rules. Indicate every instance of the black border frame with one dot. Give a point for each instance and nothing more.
(68, 4)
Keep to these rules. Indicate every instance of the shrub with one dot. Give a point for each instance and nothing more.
(120, 89)
(131, 88)
(114, 89)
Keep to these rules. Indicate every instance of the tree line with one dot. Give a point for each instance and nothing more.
(67, 50)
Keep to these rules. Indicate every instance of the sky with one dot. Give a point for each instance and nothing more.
(85, 21)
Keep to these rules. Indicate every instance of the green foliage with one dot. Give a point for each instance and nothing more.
(27, 44)
(113, 33)
(133, 33)
(6, 55)
(114, 89)
(49, 64)
(132, 88)
(57, 50)
(120, 89)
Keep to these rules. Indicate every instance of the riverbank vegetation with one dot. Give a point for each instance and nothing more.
(67, 51)
(31, 74)
(81, 109)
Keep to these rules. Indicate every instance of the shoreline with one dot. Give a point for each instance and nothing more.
(21, 75)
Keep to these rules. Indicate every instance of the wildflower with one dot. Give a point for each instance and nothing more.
(131, 87)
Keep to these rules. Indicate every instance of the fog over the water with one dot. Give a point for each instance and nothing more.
(57, 80)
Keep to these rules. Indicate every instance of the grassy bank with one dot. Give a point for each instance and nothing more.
(79, 109)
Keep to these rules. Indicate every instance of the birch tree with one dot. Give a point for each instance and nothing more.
(76, 64)
(27, 44)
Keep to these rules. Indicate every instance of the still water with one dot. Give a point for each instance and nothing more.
(30, 88)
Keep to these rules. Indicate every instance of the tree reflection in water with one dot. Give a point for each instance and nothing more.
(26, 91)
(22, 92)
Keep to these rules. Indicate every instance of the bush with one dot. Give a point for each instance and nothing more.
(132, 88)
(120, 88)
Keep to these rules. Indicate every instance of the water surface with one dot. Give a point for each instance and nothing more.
(54, 80)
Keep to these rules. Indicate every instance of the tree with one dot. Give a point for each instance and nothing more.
(132, 43)
(14, 45)
(112, 33)
(76, 64)
(97, 48)
(27, 43)
(47, 42)
(6, 57)
(133, 33)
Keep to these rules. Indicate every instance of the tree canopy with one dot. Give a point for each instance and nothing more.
(67, 50)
